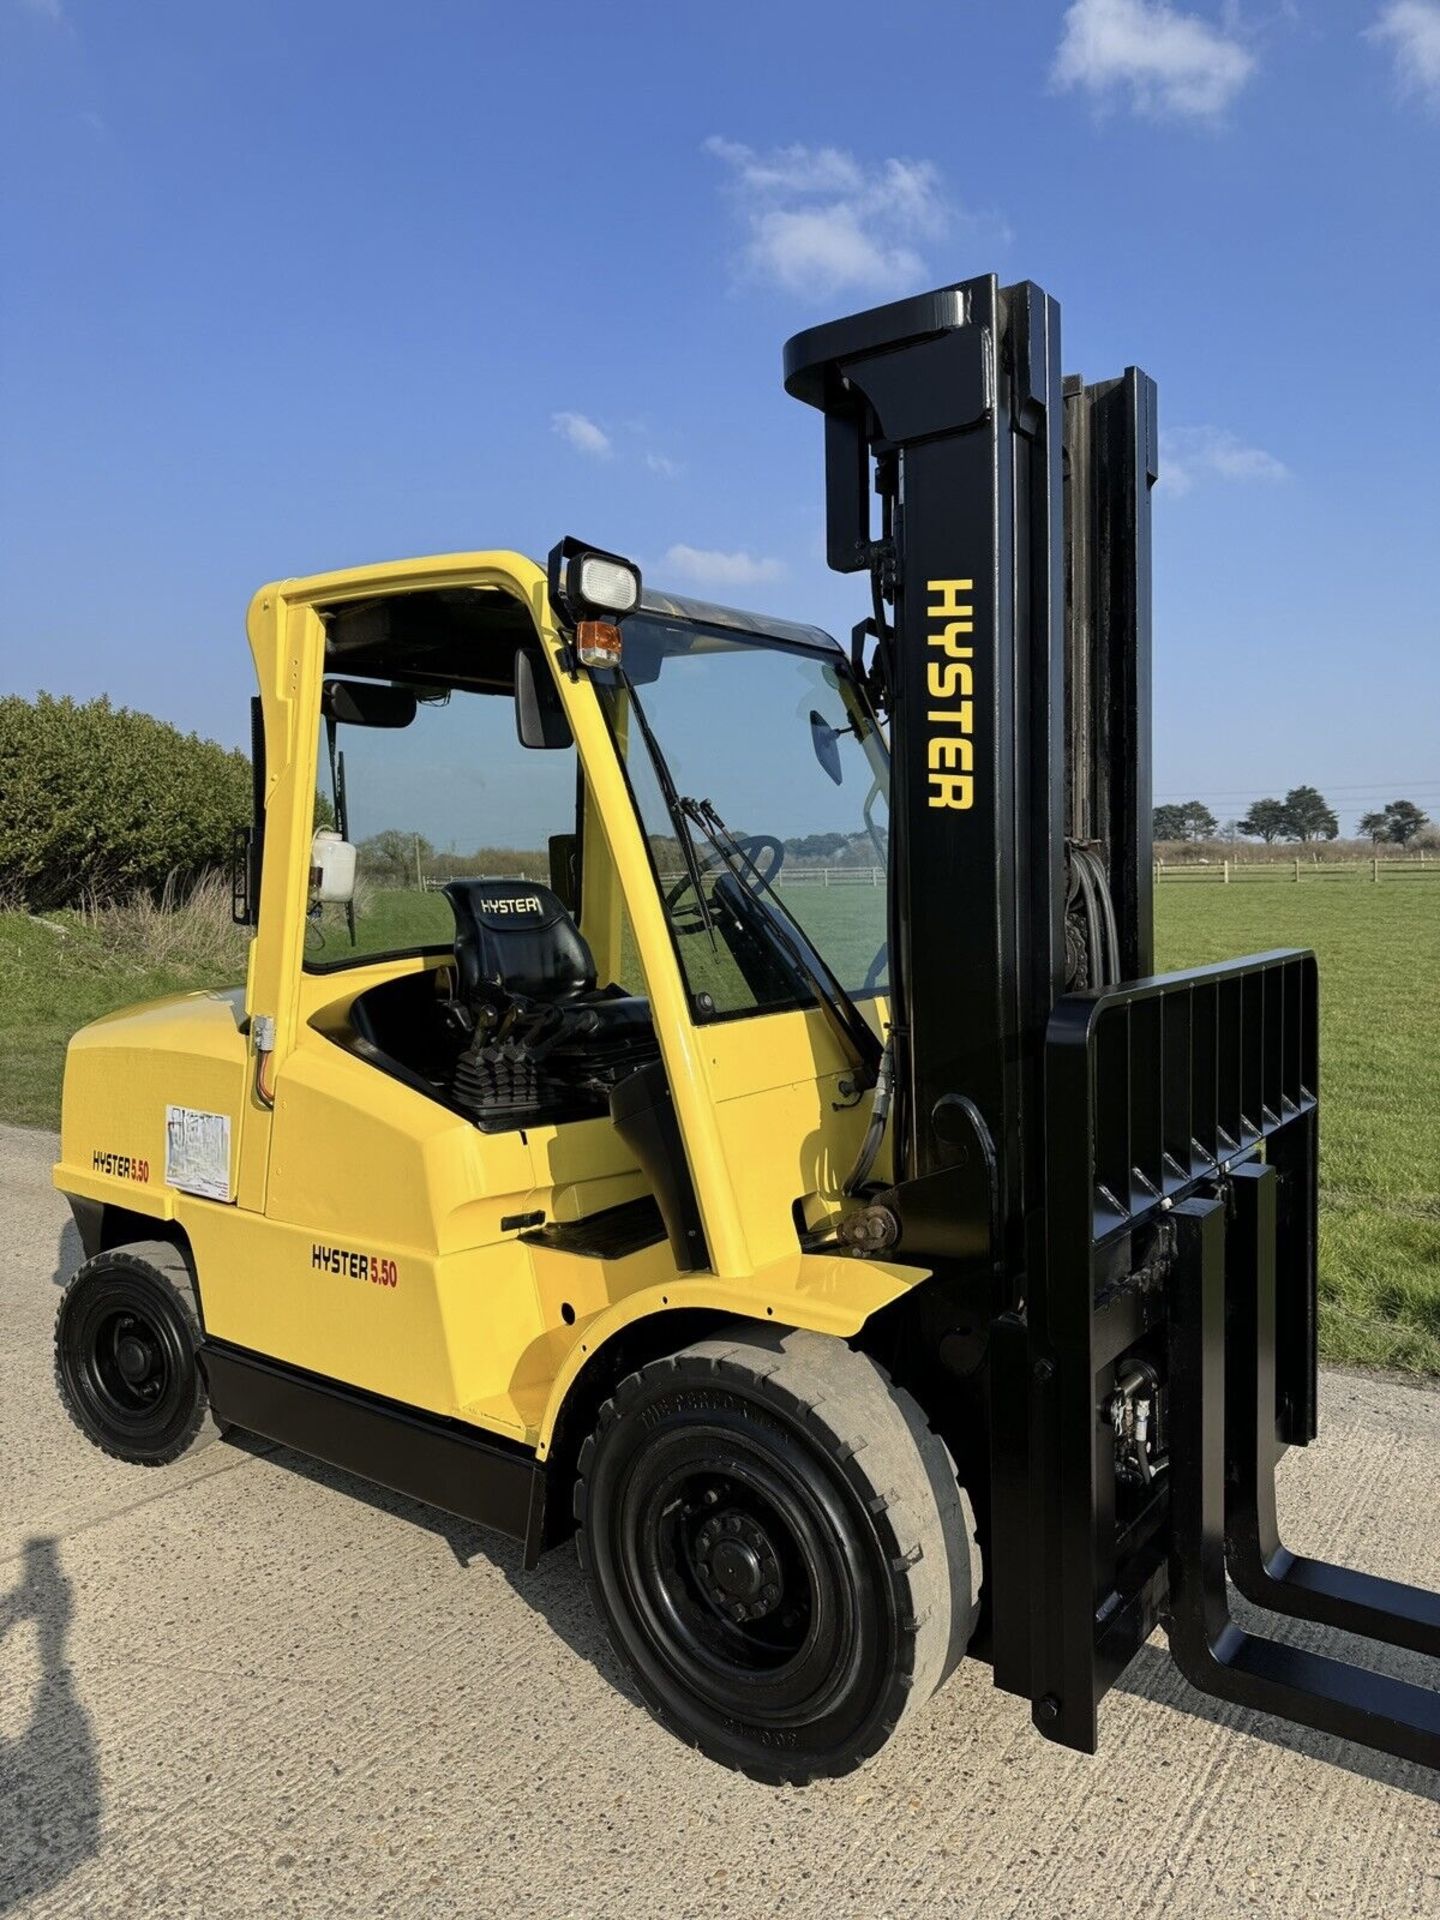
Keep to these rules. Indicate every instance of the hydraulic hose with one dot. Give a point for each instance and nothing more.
(1107, 908)
(1090, 906)
(879, 1115)
(1102, 932)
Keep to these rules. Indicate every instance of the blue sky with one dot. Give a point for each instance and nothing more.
(294, 286)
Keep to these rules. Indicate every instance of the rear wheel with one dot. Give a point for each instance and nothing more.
(779, 1547)
(126, 1338)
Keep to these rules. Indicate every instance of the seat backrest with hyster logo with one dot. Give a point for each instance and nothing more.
(516, 934)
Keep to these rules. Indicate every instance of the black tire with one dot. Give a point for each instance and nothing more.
(783, 1474)
(126, 1337)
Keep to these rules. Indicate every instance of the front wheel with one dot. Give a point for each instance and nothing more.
(779, 1548)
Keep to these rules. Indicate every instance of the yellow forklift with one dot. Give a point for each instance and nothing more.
(862, 1255)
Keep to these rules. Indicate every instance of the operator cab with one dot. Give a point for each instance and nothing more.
(461, 860)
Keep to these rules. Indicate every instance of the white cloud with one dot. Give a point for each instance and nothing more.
(662, 464)
(1189, 455)
(818, 219)
(50, 10)
(582, 433)
(1169, 62)
(710, 568)
(1412, 30)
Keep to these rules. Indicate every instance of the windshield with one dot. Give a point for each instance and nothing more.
(779, 743)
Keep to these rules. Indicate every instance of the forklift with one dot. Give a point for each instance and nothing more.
(867, 1267)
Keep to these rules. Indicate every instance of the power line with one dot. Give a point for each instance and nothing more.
(1393, 789)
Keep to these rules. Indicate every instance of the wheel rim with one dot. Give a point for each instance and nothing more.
(738, 1577)
(129, 1365)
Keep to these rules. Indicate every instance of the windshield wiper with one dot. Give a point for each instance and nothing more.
(793, 941)
(674, 804)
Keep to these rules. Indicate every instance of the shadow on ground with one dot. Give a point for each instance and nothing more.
(555, 1589)
(1152, 1675)
(50, 1797)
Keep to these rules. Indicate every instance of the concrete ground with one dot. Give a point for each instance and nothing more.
(251, 1685)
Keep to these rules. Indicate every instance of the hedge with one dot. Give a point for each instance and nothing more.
(100, 802)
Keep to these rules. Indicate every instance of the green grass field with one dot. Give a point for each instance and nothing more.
(1379, 954)
(59, 972)
(1378, 950)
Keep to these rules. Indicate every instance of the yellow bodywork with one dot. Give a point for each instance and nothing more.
(368, 1235)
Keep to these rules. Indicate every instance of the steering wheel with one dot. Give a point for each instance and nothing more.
(756, 847)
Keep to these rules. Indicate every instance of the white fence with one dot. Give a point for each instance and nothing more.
(1192, 872)
(1243, 872)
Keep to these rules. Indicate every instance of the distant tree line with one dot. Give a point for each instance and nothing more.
(1302, 816)
(398, 857)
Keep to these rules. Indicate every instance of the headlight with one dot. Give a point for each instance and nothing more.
(588, 584)
(608, 585)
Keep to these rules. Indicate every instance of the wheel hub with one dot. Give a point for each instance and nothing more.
(127, 1364)
(737, 1565)
(134, 1358)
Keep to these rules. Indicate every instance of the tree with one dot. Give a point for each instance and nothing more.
(817, 846)
(393, 855)
(1308, 816)
(1200, 822)
(1398, 823)
(1190, 820)
(1265, 821)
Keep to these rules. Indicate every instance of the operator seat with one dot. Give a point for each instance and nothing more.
(514, 939)
(545, 1043)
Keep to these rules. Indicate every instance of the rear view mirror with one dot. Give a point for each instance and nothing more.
(539, 716)
(365, 703)
(826, 742)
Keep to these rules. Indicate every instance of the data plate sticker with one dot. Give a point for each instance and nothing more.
(197, 1152)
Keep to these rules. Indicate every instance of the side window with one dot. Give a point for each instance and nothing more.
(452, 795)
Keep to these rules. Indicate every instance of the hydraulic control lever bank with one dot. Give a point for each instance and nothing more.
(865, 1262)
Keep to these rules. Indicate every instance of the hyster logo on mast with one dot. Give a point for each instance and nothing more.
(950, 749)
